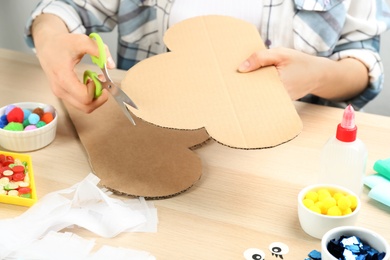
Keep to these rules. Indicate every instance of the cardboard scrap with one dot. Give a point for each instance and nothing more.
(142, 160)
(197, 85)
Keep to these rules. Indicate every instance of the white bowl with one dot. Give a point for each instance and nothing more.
(369, 237)
(23, 141)
(316, 224)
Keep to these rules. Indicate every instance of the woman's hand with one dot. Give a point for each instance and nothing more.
(59, 52)
(304, 74)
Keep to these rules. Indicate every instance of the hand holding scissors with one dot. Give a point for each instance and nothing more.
(120, 96)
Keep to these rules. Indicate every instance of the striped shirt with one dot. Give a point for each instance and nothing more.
(335, 29)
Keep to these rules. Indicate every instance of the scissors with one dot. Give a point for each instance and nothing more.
(120, 96)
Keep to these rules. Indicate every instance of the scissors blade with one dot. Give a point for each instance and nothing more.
(121, 98)
(115, 90)
(125, 110)
(121, 95)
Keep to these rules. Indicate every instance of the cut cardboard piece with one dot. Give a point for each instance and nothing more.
(142, 160)
(197, 85)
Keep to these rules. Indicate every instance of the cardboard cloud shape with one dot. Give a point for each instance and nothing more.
(142, 160)
(197, 85)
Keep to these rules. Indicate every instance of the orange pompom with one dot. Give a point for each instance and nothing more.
(47, 117)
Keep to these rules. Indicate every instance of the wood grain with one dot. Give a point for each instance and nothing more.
(244, 198)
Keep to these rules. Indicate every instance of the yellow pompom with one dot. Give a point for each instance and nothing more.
(315, 208)
(312, 195)
(353, 200)
(323, 193)
(328, 202)
(321, 206)
(334, 211)
(344, 203)
(308, 203)
(346, 211)
(338, 195)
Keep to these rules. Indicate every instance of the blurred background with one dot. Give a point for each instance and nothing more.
(14, 14)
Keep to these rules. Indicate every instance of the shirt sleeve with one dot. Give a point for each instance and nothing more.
(81, 17)
(360, 39)
(341, 29)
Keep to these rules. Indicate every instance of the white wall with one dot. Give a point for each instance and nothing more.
(13, 17)
(14, 13)
(381, 104)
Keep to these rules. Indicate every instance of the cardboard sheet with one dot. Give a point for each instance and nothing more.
(197, 85)
(142, 160)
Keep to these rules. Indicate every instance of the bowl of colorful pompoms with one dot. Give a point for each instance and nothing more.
(27, 126)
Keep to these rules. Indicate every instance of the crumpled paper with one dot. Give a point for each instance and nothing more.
(65, 246)
(84, 205)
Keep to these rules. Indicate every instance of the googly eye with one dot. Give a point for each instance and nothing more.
(254, 254)
(278, 248)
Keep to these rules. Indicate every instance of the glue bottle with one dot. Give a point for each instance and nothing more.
(344, 157)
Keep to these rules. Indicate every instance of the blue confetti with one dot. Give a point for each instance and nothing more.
(353, 248)
(314, 255)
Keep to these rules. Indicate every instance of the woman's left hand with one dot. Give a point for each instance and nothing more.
(299, 72)
(304, 74)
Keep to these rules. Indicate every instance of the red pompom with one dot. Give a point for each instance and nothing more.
(16, 115)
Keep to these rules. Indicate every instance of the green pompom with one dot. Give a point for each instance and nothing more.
(14, 126)
(40, 124)
(25, 122)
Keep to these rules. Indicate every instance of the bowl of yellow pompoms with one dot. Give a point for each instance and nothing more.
(323, 207)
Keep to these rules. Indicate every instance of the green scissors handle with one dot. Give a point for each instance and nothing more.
(98, 60)
(120, 96)
(88, 74)
(101, 60)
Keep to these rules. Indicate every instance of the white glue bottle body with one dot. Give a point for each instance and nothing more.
(344, 156)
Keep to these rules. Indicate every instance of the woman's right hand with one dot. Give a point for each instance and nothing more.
(59, 52)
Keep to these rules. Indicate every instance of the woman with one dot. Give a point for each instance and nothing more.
(326, 51)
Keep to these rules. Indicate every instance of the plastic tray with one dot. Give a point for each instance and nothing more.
(16, 200)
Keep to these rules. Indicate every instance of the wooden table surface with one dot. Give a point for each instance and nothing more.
(245, 198)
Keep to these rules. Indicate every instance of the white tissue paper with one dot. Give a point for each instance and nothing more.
(65, 246)
(84, 205)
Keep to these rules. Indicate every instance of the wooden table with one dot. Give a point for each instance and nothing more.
(245, 198)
